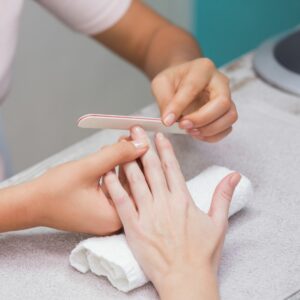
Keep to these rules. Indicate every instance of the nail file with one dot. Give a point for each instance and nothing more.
(100, 121)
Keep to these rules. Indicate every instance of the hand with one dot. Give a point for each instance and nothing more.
(198, 96)
(70, 198)
(177, 245)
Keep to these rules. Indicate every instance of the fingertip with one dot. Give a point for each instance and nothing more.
(137, 132)
(160, 136)
(169, 119)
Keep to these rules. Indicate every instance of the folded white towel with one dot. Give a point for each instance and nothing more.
(111, 257)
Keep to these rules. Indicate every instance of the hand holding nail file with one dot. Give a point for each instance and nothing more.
(98, 121)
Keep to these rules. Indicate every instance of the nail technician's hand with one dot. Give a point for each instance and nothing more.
(198, 95)
(70, 197)
(177, 245)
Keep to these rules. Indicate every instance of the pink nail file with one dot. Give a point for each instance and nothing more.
(100, 121)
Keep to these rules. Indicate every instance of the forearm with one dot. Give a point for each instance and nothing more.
(17, 209)
(149, 41)
(192, 285)
(169, 46)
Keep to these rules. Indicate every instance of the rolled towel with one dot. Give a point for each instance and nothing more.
(111, 256)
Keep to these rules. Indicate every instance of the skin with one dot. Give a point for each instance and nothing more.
(177, 245)
(188, 88)
(69, 197)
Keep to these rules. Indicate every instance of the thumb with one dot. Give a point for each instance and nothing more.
(222, 197)
(101, 162)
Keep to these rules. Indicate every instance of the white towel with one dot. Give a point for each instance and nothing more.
(111, 257)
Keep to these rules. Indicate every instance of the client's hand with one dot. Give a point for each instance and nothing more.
(69, 196)
(177, 245)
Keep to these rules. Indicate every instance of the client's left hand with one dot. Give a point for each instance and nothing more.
(177, 245)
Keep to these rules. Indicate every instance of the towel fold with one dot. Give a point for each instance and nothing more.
(111, 256)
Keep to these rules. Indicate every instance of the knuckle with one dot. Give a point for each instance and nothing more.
(120, 199)
(167, 145)
(233, 116)
(206, 131)
(225, 102)
(168, 165)
(208, 63)
(109, 179)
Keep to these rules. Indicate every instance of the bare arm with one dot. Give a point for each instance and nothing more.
(149, 41)
(16, 207)
(177, 245)
(188, 88)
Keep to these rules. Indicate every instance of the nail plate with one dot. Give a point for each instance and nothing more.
(139, 144)
(138, 130)
(169, 119)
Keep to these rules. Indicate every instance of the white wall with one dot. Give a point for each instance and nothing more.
(60, 75)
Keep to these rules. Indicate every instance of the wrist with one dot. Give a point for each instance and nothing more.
(30, 207)
(40, 201)
(17, 209)
(189, 283)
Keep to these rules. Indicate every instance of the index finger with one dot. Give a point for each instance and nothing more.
(99, 163)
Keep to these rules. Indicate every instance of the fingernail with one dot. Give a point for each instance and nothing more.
(169, 119)
(186, 124)
(138, 130)
(139, 144)
(160, 136)
(234, 179)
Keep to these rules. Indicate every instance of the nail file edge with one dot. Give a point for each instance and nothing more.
(101, 121)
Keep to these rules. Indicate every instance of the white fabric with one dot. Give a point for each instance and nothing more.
(86, 16)
(111, 257)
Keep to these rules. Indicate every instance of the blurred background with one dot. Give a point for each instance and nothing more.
(60, 75)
